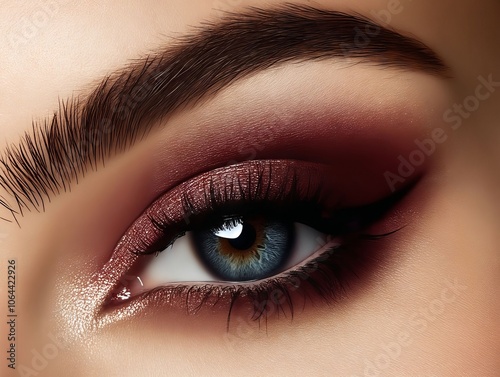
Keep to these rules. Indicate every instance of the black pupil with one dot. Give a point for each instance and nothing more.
(246, 239)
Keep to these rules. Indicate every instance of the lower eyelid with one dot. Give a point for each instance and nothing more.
(326, 277)
(132, 287)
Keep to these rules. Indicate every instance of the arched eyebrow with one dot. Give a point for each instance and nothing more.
(126, 105)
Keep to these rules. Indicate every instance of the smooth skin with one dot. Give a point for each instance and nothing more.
(431, 308)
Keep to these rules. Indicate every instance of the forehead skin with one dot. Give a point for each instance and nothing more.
(55, 49)
(42, 63)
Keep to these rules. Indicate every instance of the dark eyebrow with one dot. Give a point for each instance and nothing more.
(125, 105)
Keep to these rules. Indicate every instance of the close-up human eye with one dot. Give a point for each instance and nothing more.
(250, 188)
(247, 232)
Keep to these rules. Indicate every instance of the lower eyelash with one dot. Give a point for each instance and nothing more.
(325, 277)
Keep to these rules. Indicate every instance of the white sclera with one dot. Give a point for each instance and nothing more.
(177, 263)
(308, 242)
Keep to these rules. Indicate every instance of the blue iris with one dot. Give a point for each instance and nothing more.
(245, 250)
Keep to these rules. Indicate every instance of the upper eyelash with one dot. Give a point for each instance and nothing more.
(221, 206)
(304, 206)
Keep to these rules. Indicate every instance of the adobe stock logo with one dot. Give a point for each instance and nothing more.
(407, 166)
(454, 116)
(40, 359)
(32, 25)
(459, 112)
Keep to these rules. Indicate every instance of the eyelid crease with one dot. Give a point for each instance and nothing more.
(125, 106)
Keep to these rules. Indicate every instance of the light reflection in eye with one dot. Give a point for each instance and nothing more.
(232, 232)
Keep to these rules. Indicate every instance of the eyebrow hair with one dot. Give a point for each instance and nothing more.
(126, 105)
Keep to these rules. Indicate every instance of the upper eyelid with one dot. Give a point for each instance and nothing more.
(185, 203)
(260, 182)
(82, 133)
